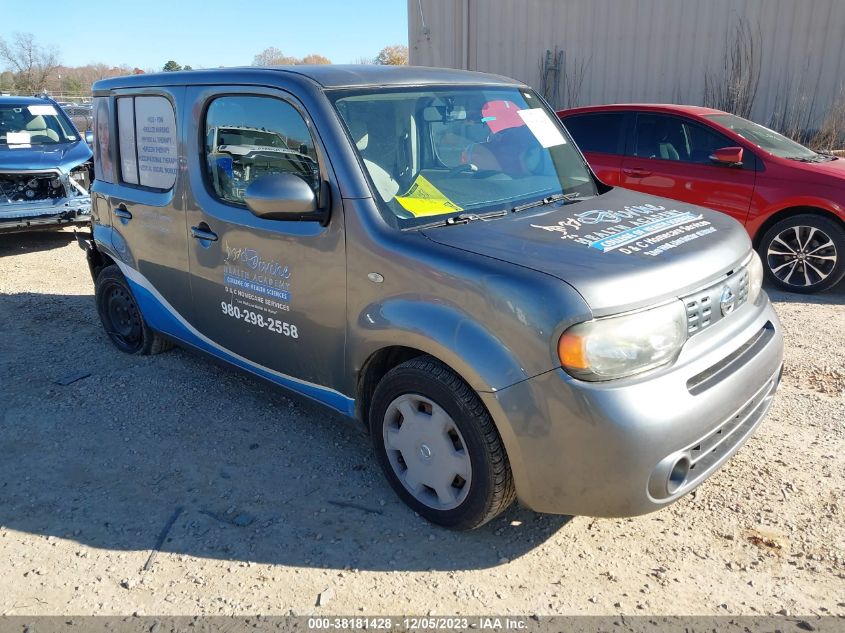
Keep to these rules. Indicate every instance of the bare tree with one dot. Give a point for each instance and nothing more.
(795, 105)
(395, 55)
(560, 73)
(733, 88)
(272, 56)
(831, 134)
(31, 63)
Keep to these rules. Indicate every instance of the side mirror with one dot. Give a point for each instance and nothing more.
(729, 156)
(283, 197)
(89, 138)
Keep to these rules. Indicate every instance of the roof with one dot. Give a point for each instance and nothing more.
(648, 107)
(26, 100)
(327, 76)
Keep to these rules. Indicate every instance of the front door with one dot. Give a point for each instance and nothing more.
(269, 295)
(671, 158)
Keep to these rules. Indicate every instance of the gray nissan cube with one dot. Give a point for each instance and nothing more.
(428, 252)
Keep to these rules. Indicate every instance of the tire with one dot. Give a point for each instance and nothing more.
(121, 317)
(804, 253)
(449, 464)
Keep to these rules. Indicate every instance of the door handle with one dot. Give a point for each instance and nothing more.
(636, 172)
(203, 232)
(123, 213)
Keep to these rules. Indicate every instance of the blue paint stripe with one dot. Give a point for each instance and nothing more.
(160, 318)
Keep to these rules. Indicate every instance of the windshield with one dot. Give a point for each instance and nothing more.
(763, 137)
(34, 124)
(445, 150)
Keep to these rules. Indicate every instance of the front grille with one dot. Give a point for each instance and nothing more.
(699, 313)
(704, 306)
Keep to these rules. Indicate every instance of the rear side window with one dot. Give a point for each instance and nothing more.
(146, 130)
(600, 132)
(103, 167)
(247, 137)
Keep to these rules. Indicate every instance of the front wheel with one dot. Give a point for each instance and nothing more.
(438, 446)
(804, 253)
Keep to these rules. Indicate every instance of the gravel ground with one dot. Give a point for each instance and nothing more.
(274, 501)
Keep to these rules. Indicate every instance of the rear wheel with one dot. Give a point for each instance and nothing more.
(438, 446)
(121, 317)
(804, 253)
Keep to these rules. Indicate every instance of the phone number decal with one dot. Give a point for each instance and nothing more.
(256, 318)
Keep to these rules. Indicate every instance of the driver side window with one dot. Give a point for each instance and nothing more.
(247, 137)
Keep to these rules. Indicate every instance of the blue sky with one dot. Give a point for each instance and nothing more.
(147, 33)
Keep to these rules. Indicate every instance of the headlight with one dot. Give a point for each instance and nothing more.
(755, 277)
(614, 347)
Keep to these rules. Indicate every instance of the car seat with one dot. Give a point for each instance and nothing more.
(39, 132)
(385, 183)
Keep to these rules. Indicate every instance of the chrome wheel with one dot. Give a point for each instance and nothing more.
(427, 452)
(802, 256)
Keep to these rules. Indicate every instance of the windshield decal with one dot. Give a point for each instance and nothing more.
(542, 127)
(40, 110)
(18, 139)
(423, 199)
(647, 229)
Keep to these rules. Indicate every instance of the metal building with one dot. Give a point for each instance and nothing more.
(790, 54)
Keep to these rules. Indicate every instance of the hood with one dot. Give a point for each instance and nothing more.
(834, 168)
(64, 156)
(621, 250)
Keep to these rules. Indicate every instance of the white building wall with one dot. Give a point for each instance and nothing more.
(641, 50)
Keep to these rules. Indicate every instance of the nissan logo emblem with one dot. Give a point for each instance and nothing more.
(727, 302)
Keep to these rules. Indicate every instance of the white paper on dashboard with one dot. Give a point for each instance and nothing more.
(542, 127)
(37, 110)
(17, 138)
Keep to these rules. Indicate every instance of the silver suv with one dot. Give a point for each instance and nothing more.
(427, 251)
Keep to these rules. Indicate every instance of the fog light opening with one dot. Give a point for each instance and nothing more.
(678, 475)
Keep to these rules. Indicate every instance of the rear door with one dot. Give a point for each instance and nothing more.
(601, 137)
(670, 157)
(269, 295)
(138, 187)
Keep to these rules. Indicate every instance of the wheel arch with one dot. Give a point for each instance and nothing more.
(788, 212)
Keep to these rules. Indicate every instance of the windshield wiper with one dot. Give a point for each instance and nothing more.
(806, 159)
(461, 218)
(557, 197)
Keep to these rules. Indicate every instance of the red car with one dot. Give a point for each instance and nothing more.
(790, 198)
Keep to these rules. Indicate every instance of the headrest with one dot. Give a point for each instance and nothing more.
(37, 124)
(358, 130)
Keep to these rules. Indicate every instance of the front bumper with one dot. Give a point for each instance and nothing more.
(10, 223)
(618, 448)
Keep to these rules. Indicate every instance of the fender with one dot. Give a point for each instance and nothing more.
(445, 332)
